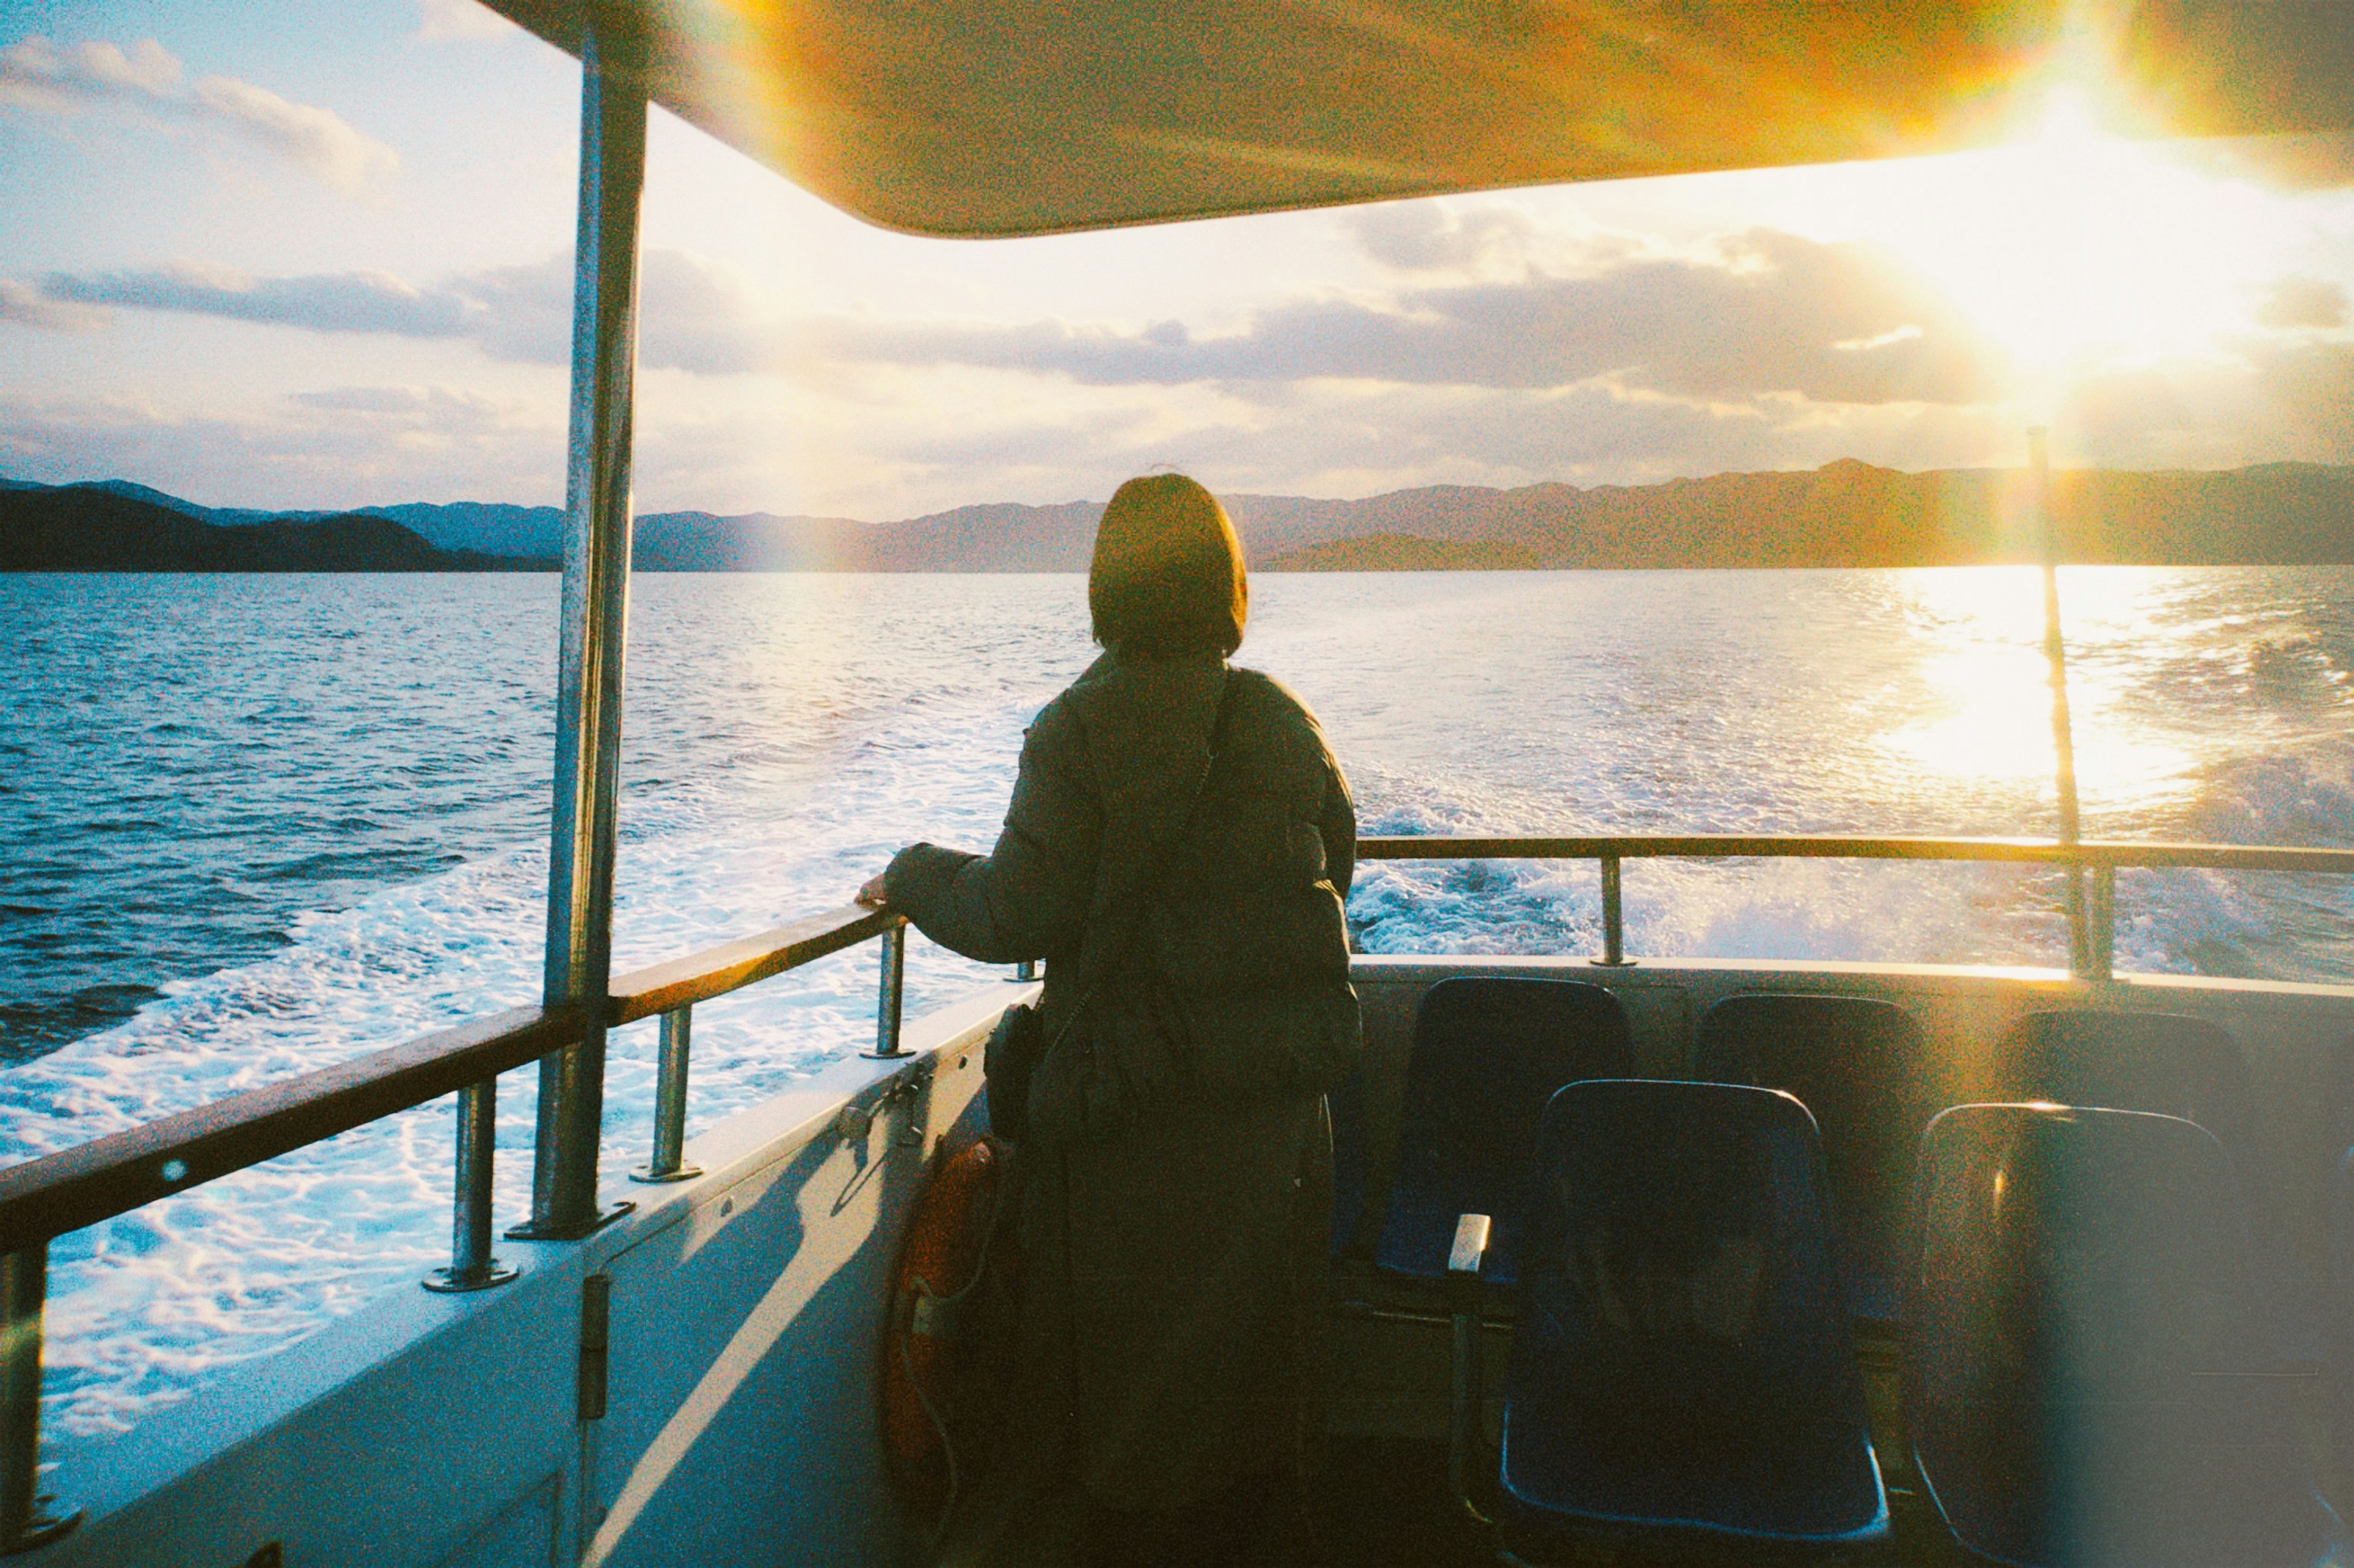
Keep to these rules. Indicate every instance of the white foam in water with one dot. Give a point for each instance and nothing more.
(796, 752)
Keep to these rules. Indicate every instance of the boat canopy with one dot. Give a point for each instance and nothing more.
(985, 117)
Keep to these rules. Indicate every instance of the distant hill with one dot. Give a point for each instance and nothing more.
(1403, 553)
(1846, 514)
(87, 528)
(493, 528)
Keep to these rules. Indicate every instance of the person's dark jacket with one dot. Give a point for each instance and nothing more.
(1177, 1170)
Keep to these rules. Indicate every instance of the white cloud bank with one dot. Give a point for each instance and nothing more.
(1484, 359)
(1756, 313)
(39, 76)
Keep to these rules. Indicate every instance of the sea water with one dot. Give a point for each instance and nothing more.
(253, 825)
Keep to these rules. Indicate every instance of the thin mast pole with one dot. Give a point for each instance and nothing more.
(2063, 741)
(595, 624)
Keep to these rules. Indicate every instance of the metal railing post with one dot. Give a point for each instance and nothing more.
(667, 1160)
(1613, 918)
(2081, 939)
(471, 1266)
(2101, 917)
(889, 994)
(24, 1520)
(595, 623)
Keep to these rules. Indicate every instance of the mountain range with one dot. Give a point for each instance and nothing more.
(1846, 514)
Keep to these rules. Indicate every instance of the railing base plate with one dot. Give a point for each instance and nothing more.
(43, 1528)
(529, 1230)
(645, 1174)
(451, 1282)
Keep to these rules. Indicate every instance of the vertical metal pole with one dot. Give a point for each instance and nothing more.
(471, 1266)
(595, 622)
(667, 1162)
(1614, 919)
(2102, 918)
(887, 997)
(2064, 742)
(24, 1521)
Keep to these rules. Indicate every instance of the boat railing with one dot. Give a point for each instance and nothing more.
(47, 1197)
(2092, 921)
(92, 1182)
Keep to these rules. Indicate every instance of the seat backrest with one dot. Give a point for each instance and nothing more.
(2165, 1063)
(2084, 1372)
(2337, 1339)
(1683, 1354)
(1859, 1066)
(1489, 1052)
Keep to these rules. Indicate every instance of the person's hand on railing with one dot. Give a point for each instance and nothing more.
(871, 896)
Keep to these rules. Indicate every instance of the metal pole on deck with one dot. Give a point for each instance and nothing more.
(595, 624)
(27, 1519)
(2064, 740)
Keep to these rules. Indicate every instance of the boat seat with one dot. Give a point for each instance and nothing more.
(1489, 1052)
(2167, 1062)
(1857, 1064)
(1683, 1377)
(2337, 1351)
(2176, 1065)
(2084, 1386)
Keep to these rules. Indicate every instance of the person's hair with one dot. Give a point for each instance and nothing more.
(1167, 579)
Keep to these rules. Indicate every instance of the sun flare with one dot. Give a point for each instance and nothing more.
(2077, 250)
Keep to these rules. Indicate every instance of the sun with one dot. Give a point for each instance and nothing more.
(2073, 250)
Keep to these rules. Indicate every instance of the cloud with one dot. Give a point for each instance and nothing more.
(1763, 313)
(367, 399)
(693, 314)
(1766, 312)
(36, 74)
(356, 446)
(28, 306)
(2294, 301)
(363, 302)
(1423, 235)
(447, 21)
(310, 138)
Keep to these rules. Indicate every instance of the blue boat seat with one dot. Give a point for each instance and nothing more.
(2176, 1065)
(1859, 1067)
(1682, 1373)
(2338, 1352)
(2083, 1380)
(2167, 1063)
(1489, 1052)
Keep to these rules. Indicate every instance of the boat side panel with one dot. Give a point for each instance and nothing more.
(442, 1430)
(420, 1430)
(744, 1343)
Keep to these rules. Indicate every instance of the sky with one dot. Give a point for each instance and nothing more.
(309, 256)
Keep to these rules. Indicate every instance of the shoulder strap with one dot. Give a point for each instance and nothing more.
(1133, 920)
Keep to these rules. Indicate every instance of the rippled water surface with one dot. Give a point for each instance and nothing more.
(253, 825)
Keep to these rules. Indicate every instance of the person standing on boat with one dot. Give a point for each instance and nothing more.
(1178, 850)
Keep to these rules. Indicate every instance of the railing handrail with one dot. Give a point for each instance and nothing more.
(94, 1182)
(47, 1197)
(1833, 846)
(732, 965)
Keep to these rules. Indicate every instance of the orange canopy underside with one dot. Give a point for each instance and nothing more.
(964, 117)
